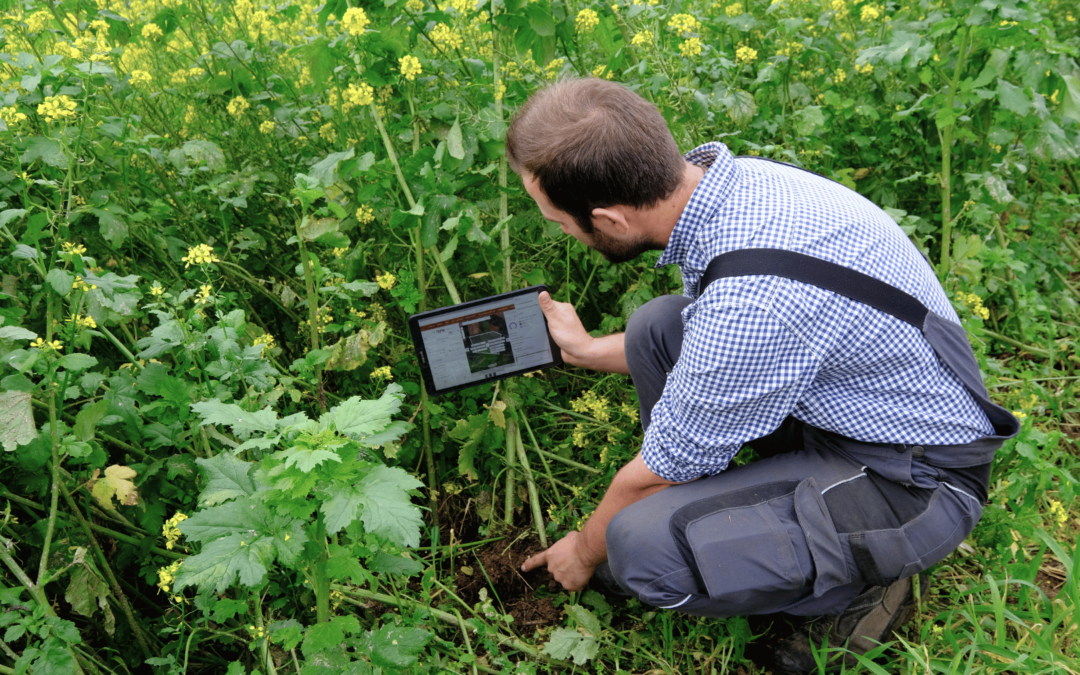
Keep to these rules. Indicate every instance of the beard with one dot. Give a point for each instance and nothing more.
(617, 251)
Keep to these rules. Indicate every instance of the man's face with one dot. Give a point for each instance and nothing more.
(614, 249)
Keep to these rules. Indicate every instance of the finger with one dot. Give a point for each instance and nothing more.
(534, 562)
(546, 303)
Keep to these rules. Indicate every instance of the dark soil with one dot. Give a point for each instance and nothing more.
(517, 590)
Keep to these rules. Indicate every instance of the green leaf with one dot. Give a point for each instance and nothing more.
(228, 608)
(47, 150)
(393, 564)
(10, 215)
(740, 106)
(242, 422)
(358, 418)
(566, 643)
(540, 19)
(1070, 103)
(77, 362)
(1013, 98)
(454, 142)
(325, 171)
(330, 635)
(809, 121)
(382, 502)
(226, 478)
(113, 229)
(16, 420)
(87, 592)
(344, 566)
(471, 432)
(306, 459)
(198, 152)
(585, 619)
(60, 280)
(241, 539)
(287, 633)
(88, 418)
(397, 647)
(16, 333)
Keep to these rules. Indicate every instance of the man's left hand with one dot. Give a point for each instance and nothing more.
(564, 563)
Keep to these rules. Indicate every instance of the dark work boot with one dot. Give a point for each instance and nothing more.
(870, 619)
(603, 582)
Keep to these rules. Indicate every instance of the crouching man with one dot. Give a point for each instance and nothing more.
(810, 329)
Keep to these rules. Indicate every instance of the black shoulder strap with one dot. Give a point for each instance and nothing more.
(816, 272)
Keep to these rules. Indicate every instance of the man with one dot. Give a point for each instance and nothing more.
(874, 429)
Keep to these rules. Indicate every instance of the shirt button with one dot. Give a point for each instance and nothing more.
(918, 451)
(900, 447)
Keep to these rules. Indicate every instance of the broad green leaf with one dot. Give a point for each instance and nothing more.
(454, 143)
(343, 565)
(47, 150)
(740, 106)
(10, 215)
(60, 280)
(287, 633)
(241, 539)
(358, 418)
(16, 333)
(242, 422)
(325, 171)
(88, 418)
(382, 503)
(1013, 98)
(25, 252)
(397, 647)
(77, 362)
(1070, 103)
(388, 435)
(111, 225)
(567, 643)
(115, 483)
(393, 564)
(198, 152)
(306, 459)
(471, 432)
(16, 420)
(325, 636)
(585, 619)
(809, 121)
(226, 478)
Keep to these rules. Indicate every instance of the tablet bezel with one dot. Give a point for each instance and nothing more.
(421, 351)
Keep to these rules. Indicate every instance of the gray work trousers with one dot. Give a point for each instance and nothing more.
(803, 530)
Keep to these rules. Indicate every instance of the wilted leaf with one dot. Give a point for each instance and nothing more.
(16, 419)
(115, 483)
(496, 411)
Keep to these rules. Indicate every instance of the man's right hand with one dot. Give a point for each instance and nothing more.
(578, 347)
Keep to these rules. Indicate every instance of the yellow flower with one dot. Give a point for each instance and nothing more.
(839, 76)
(200, 255)
(501, 91)
(138, 77)
(1058, 512)
(205, 291)
(357, 95)
(365, 214)
(382, 373)
(166, 575)
(73, 249)
(410, 67)
(80, 285)
(691, 47)
(586, 20)
(1054, 96)
(869, 13)
(386, 280)
(82, 321)
(683, 25)
(840, 7)
(415, 6)
(446, 37)
(170, 530)
(151, 31)
(745, 55)
(791, 49)
(266, 340)
(267, 127)
(578, 437)
(734, 10)
(642, 39)
(38, 20)
(11, 116)
(865, 68)
(327, 132)
(355, 21)
(157, 290)
(56, 108)
(238, 106)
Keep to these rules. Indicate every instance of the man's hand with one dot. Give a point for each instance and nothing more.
(564, 563)
(578, 347)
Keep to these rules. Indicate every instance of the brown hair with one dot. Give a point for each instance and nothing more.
(592, 144)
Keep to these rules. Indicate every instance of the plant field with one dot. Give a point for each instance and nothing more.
(217, 216)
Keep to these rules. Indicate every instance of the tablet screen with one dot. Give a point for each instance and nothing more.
(484, 340)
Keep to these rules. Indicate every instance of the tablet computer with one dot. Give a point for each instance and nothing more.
(483, 340)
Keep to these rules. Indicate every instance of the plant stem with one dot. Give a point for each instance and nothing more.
(946, 160)
(319, 580)
(313, 309)
(54, 467)
(118, 592)
(264, 642)
(534, 496)
(543, 460)
(1036, 351)
(468, 643)
(119, 345)
(511, 460)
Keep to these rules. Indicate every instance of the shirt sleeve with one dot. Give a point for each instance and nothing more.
(739, 375)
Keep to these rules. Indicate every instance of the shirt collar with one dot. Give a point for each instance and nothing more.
(719, 181)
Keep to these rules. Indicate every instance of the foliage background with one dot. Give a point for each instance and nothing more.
(228, 209)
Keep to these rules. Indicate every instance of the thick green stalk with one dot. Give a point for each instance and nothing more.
(319, 581)
(511, 461)
(946, 161)
(54, 464)
(313, 309)
(264, 642)
(534, 496)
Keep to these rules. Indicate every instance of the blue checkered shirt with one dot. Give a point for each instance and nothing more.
(758, 349)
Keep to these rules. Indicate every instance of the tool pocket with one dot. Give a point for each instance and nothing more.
(750, 548)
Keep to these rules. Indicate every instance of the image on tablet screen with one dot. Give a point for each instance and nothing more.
(484, 342)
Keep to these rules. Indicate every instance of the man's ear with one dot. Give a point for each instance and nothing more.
(611, 220)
